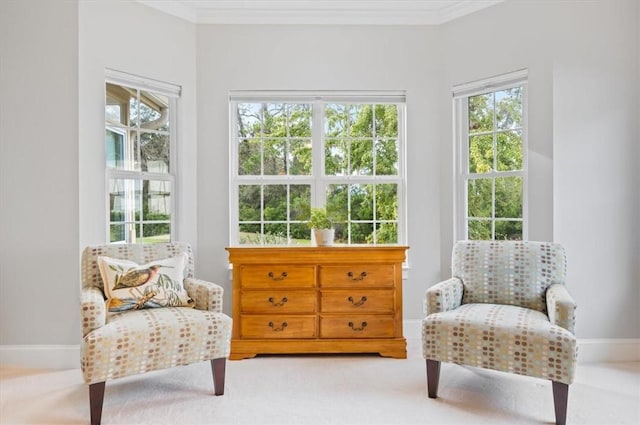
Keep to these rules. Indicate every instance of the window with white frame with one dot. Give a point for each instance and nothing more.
(139, 152)
(491, 163)
(295, 151)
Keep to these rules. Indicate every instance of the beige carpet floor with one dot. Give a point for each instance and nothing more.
(340, 389)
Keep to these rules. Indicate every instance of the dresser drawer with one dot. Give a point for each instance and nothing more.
(357, 301)
(277, 326)
(356, 326)
(277, 276)
(278, 302)
(357, 275)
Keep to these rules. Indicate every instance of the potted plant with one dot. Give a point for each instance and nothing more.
(321, 226)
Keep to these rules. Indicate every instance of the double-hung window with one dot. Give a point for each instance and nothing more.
(491, 161)
(291, 152)
(139, 152)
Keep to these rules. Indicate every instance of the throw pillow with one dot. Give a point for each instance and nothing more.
(129, 286)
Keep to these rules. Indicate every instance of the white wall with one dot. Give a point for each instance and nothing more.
(38, 172)
(52, 149)
(583, 139)
(322, 58)
(596, 152)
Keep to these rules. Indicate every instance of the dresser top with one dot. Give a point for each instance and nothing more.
(313, 254)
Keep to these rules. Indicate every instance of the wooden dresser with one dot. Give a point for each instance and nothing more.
(317, 300)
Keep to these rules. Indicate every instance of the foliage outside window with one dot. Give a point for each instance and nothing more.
(293, 155)
(492, 179)
(138, 148)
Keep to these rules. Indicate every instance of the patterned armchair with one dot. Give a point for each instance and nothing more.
(116, 345)
(505, 308)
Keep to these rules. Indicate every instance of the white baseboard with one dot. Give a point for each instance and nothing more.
(591, 350)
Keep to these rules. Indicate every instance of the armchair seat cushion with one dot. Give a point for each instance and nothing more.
(139, 341)
(506, 338)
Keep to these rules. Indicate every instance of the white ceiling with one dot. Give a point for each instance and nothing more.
(365, 12)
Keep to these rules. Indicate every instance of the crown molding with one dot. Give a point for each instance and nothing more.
(325, 12)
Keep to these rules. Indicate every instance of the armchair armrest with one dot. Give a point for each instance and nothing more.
(561, 307)
(92, 309)
(443, 296)
(207, 295)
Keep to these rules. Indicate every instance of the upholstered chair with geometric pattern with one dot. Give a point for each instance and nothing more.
(505, 308)
(122, 336)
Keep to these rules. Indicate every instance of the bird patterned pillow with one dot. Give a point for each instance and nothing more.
(129, 286)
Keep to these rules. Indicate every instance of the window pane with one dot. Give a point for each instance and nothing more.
(124, 200)
(360, 121)
(154, 152)
(386, 233)
(156, 232)
(154, 111)
(387, 157)
(249, 234)
(338, 202)
(362, 233)
(275, 159)
(125, 206)
(509, 108)
(481, 113)
(508, 230)
(480, 153)
(275, 234)
(362, 157)
(156, 198)
(335, 160)
(300, 207)
(341, 233)
(249, 119)
(274, 120)
(117, 105)
(300, 234)
(509, 197)
(361, 201)
(134, 156)
(336, 118)
(116, 233)
(115, 149)
(275, 203)
(299, 120)
(479, 197)
(250, 202)
(249, 157)
(479, 230)
(386, 121)
(300, 157)
(133, 109)
(387, 202)
(509, 146)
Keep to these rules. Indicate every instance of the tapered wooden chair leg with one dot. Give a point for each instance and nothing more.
(560, 398)
(433, 377)
(96, 397)
(218, 368)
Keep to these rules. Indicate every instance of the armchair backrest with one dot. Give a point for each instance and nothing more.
(508, 272)
(139, 253)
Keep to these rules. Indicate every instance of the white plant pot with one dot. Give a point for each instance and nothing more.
(323, 237)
